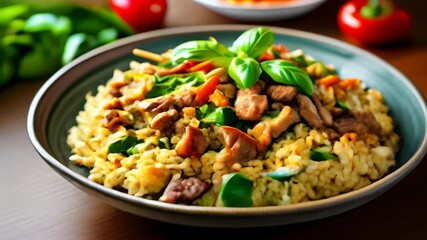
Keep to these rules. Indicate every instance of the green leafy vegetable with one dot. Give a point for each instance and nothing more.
(125, 145)
(285, 72)
(244, 71)
(201, 50)
(253, 42)
(169, 83)
(321, 156)
(224, 116)
(236, 190)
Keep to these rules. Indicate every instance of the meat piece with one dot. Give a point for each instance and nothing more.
(192, 143)
(116, 118)
(325, 115)
(308, 111)
(250, 106)
(241, 146)
(281, 93)
(185, 99)
(257, 87)
(369, 121)
(130, 91)
(359, 122)
(164, 119)
(271, 128)
(156, 105)
(184, 190)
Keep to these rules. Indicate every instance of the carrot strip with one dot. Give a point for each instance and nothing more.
(205, 67)
(349, 84)
(329, 80)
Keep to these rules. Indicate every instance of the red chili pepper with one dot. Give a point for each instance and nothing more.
(374, 22)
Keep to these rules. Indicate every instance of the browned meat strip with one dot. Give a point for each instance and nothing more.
(360, 123)
(164, 119)
(192, 143)
(114, 119)
(186, 99)
(308, 111)
(271, 128)
(325, 115)
(240, 145)
(370, 122)
(184, 191)
(281, 93)
(156, 105)
(250, 106)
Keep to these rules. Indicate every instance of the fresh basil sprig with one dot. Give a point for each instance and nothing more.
(241, 60)
(253, 42)
(203, 50)
(288, 73)
(244, 71)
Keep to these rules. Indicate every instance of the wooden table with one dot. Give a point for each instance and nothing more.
(37, 203)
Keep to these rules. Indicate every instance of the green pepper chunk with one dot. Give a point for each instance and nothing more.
(236, 190)
(342, 105)
(125, 145)
(224, 116)
(321, 156)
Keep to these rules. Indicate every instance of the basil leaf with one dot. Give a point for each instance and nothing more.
(253, 42)
(202, 50)
(244, 71)
(176, 82)
(288, 73)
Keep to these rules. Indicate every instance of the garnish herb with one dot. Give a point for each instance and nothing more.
(288, 73)
(241, 60)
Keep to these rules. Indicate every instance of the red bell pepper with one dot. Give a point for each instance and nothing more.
(374, 22)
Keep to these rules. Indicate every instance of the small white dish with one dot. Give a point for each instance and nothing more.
(261, 11)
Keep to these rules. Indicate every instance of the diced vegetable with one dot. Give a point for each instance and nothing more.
(341, 105)
(124, 146)
(236, 190)
(283, 173)
(224, 116)
(206, 89)
(321, 156)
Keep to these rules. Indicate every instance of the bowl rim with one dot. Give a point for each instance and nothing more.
(222, 4)
(386, 182)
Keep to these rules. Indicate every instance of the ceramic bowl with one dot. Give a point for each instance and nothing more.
(56, 104)
(261, 11)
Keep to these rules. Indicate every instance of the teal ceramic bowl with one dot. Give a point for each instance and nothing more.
(58, 101)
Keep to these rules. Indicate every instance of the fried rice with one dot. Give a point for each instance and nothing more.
(157, 165)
